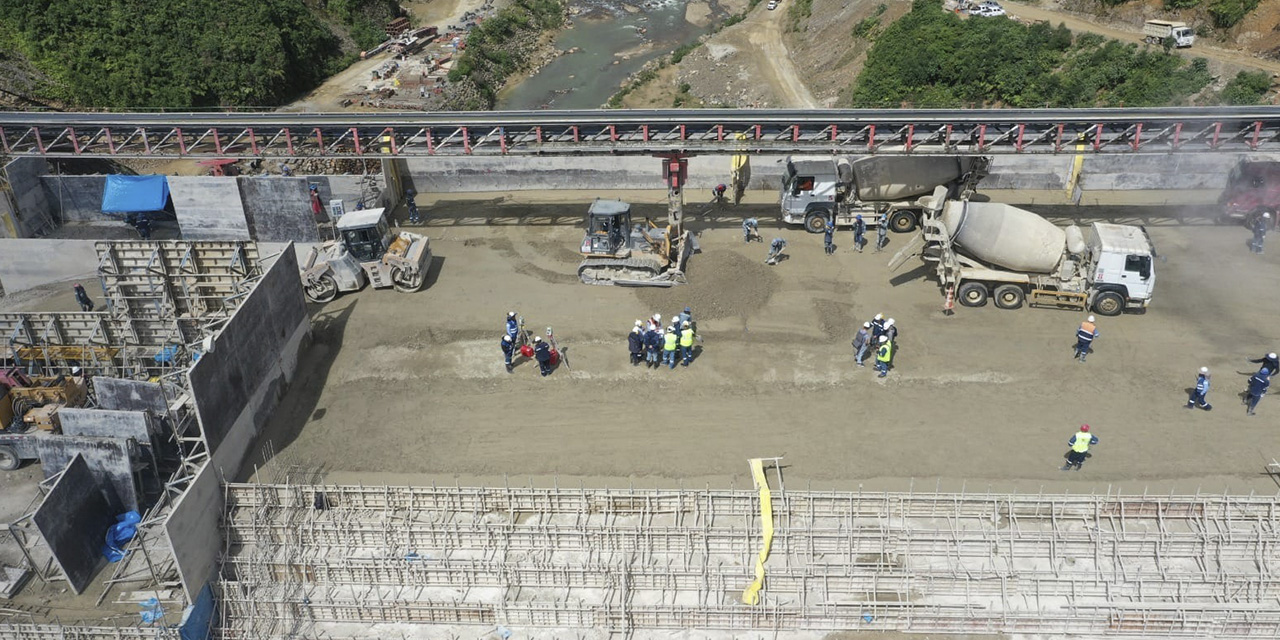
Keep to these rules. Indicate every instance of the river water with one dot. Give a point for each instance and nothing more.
(613, 43)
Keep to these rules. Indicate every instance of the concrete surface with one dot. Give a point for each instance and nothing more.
(108, 424)
(31, 211)
(129, 395)
(28, 263)
(208, 208)
(73, 520)
(278, 209)
(76, 198)
(192, 530)
(985, 396)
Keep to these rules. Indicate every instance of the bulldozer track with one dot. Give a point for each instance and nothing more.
(618, 269)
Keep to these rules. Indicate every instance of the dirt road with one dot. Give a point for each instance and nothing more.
(763, 30)
(411, 388)
(1076, 23)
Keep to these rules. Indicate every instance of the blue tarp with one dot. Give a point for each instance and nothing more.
(135, 194)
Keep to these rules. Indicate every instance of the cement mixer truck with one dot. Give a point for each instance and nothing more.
(814, 191)
(985, 250)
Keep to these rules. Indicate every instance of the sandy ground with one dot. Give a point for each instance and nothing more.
(411, 388)
(1201, 49)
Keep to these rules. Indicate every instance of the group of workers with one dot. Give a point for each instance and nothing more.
(1259, 383)
(881, 335)
(751, 232)
(650, 343)
(515, 341)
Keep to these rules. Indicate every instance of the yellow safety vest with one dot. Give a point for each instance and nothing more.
(686, 338)
(669, 341)
(885, 350)
(1081, 444)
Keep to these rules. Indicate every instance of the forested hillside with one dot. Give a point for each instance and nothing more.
(186, 53)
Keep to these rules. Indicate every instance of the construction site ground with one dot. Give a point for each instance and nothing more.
(411, 388)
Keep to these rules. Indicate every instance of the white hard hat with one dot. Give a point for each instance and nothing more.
(638, 323)
(511, 314)
(1266, 215)
(635, 329)
(866, 325)
(685, 323)
(879, 316)
(889, 322)
(671, 328)
(1090, 318)
(657, 317)
(1271, 355)
(1204, 370)
(537, 338)
(884, 338)
(506, 338)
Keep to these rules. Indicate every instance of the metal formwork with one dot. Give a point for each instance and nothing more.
(1094, 565)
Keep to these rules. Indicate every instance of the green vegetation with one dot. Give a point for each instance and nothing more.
(1225, 13)
(931, 58)
(1248, 87)
(799, 10)
(182, 54)
(870, 24)
(501, 45)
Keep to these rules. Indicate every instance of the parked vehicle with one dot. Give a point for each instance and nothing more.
(986, 250)
(773, 4)
(989, 10)
(367, 250)
(814, 191)
(1253, 188)
(1157, 31)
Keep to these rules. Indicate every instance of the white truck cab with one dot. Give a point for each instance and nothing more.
(1122, 262)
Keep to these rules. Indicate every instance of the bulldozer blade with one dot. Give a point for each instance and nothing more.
(643, 283)
(910, 250)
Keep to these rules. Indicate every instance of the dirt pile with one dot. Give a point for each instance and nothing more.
(722, 284)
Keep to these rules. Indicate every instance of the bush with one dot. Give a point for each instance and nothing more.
(1248, 87)
(684, 87)
(176, 54)
(799, 10)
(682, 51)
(1227, 13)
(930, 58)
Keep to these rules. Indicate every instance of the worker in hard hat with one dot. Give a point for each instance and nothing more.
(751, 230)
(1258, 385)
(1260, 225)
(82, 297)
(670, 342)
(1269, 362)
(882, 231)
(884, 353)
(513, 327)
(1080, 443)
(829, 237)
(635, 344)
(508, 346)
(1085, 336)
(542, 353)
(775, 251)
(877, 326)
(686, 343)
(859, 231)
(653, 341)
(1198, 395)
(717, 194)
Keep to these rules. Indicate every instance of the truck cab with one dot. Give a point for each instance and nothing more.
(811, 193)
(1122, 266)
(1253, 188)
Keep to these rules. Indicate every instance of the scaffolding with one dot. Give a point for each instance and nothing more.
(310, 558)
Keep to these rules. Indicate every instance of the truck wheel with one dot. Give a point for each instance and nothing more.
(406, 283)
(973, 294)
(324, 289)
(1108, 303)
(816, 221)
(1009, 296)
(902, 221)
(9, 459)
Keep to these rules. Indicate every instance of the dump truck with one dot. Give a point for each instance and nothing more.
(367, 249)
(1253, 188)
(814, 191)
(985, 250)
(1157, 31)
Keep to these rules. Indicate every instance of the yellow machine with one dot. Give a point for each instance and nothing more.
(37, 405)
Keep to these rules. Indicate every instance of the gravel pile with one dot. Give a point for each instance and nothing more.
(722, 284)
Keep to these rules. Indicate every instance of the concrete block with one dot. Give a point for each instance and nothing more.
(129, 395)
(29, 263)
(278, 209)
(110, 424)
(73, 520)
(208, 208)
(110, 460)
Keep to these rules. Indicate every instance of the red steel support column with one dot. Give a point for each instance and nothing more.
(682, 133)
(644, 131)
(1217, 131)
(1097, 136)
(75, 144)
(946, 143)
(795, 133)
(288, 140)
(982, 137)
(431, 145)
(253, 143)
(182, 142)
(757, 128)
(911, 134)
(217, 142)
(39, 142)
(391, 135)
(1177, 135)
(1057, 146)
(319, 140)
(502, 139)
(575, 133)
(466, 141)
(355, 138)
(146, 143)
(835, 132)
(111, 144)
(1257, 130)
(871, 138)
(1137, 137)
(1022, 130)
(613, 133)
(537, 130)
(4, 142)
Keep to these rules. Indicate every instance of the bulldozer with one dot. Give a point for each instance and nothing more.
(644, 255)
(366, 249)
